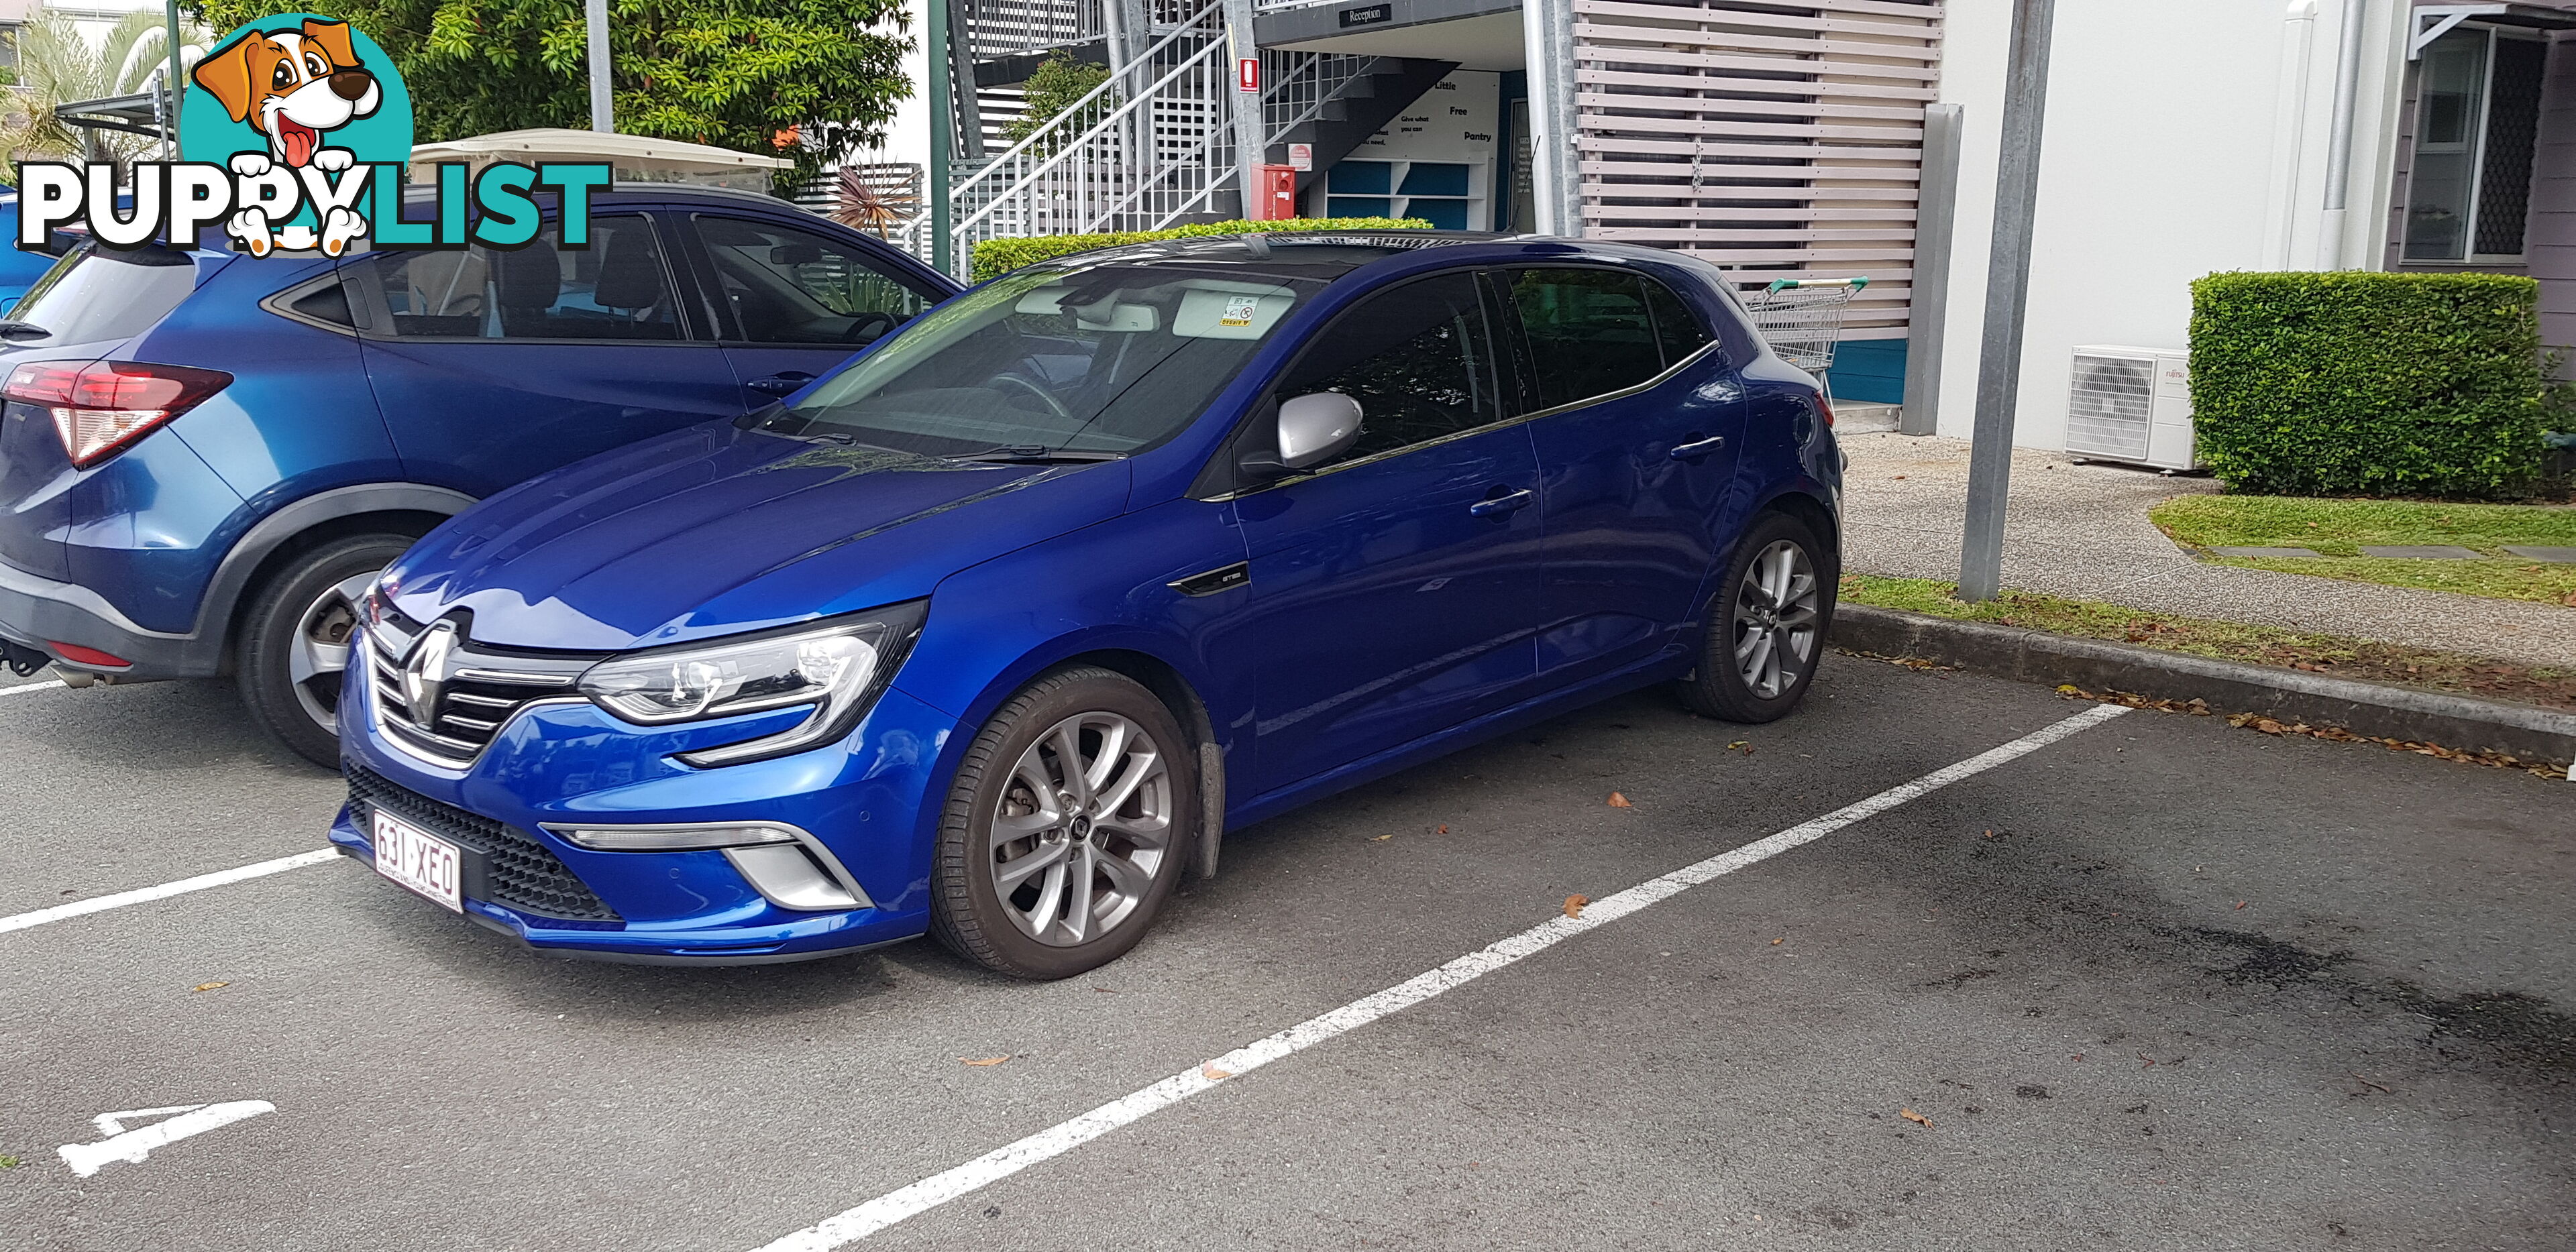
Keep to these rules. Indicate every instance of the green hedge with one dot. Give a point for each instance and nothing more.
(2360, 383)
(1000, 256)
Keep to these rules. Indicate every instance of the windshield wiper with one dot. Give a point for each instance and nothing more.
(1035, 454)
(15, 331)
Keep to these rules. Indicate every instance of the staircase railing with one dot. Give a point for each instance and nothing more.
(1116, 161)
(1122, 157)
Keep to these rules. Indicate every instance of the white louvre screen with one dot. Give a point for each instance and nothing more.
(1777, 140)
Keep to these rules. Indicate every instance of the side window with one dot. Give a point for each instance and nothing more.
(618, 289)
(1677, 328)
(1588, 330)
(1418, 359)
(785, 285)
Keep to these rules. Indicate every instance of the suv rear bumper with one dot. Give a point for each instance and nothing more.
(38, 612)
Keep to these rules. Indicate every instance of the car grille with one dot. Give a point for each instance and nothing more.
(517, 870)
(478, 689)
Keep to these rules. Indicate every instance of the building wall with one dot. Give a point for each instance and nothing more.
(2183, 138)
(2549, 246)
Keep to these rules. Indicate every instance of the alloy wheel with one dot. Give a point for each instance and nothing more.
(1083, 828)
(1776, 616)
(318, 654)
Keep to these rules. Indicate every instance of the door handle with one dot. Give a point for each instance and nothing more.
(1496, 506)
(1697, 448)
(780, 384)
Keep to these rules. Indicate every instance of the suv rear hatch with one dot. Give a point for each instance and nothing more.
(89, 305)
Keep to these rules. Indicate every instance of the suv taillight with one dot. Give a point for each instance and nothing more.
(101, 407)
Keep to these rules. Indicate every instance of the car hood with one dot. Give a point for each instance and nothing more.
(714, 529)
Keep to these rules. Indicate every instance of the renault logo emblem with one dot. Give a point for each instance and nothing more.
(425, 673)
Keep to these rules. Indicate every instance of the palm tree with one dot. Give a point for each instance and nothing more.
(57, 66)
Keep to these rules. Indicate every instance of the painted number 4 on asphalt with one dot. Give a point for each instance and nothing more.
(179, 1121)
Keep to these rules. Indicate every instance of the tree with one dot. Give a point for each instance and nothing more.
(1056, 85)
(804, 79)
(57, 66)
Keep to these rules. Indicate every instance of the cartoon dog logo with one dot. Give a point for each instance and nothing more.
(294, 87)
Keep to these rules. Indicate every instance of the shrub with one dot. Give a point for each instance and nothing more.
(2360, 383)
(994, 257)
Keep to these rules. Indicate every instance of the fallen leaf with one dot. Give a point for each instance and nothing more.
(981, 1061)
(1916, 1118)
(1899, 478)
(1781, 940)
(1107, 991)
(1574, 905)
(1382, 838)
(1442, 831)
(2240, 904)
(209, 986)
(1213, 1074)
(1738, 744)
(1618, 801)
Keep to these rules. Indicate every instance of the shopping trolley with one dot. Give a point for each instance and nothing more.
(1802, 317)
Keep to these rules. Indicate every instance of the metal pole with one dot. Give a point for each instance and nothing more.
(1981, 555)
(1556, 199)
(1936, 205)
(939, 64)
(603, 112)
(177, 85)
(2339, 140)
(1251, 138)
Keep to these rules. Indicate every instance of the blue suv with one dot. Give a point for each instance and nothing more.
(992, 633)
(205, 458)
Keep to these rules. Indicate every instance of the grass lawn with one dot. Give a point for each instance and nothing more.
(2337, 528)
(2229, 641)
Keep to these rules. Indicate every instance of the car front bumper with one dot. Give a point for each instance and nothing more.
(568, 762)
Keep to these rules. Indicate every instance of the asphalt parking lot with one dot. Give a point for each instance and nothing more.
(2155, 984)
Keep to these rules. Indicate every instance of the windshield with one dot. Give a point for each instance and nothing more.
(97, 293)
(1103, 359)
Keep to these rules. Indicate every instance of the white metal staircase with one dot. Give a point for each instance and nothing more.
(1151, 147)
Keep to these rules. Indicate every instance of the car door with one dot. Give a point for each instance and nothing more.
(794, 301)
(494, 366)
(1637, 434)
(1394, 590)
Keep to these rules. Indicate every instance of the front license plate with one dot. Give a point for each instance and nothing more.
(419, 860)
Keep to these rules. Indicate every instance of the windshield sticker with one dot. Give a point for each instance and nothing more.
(1240, 310)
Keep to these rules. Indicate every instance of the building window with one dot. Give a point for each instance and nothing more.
(2477, 112)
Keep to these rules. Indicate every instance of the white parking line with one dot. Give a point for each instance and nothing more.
(143, 895)
(43, 686)
(929, 1193)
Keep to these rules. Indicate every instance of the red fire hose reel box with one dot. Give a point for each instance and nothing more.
(1278, 199)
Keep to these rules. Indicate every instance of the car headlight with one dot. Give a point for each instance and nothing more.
(839, 668)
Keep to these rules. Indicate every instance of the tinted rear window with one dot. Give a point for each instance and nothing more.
(97, 293)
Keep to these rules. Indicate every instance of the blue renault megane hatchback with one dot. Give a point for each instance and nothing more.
(993, 632)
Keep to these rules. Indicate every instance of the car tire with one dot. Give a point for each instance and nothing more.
(1767, 624)
(1050, 887)
(293, 645)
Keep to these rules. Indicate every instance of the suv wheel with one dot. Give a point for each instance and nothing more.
(1766, 624)
(1071, 818)
(293, 649)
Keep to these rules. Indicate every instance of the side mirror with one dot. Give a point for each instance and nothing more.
(1313, 429)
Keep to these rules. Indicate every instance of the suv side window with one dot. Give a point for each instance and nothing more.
(783, 285)
(619, 288)
(1419, 358)
(1589, 332)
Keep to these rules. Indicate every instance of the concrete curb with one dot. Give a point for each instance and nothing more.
(2462, 722)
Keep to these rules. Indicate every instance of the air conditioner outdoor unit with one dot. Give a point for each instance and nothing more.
(2133, 405)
